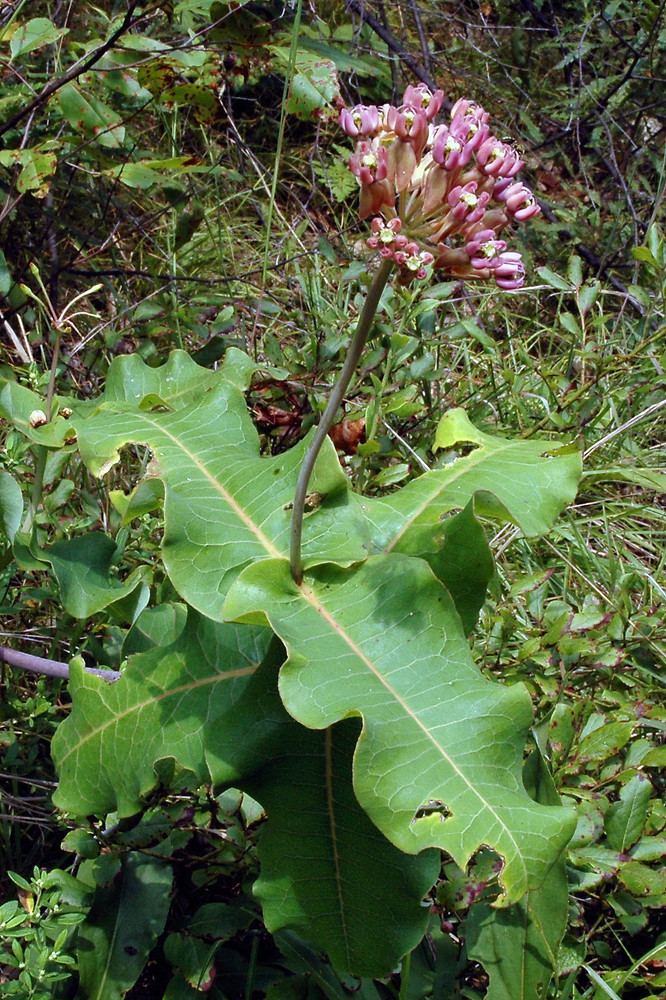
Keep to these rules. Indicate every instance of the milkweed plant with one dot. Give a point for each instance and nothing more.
(315, 657)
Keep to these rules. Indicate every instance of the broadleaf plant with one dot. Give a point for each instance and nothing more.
(307, 645)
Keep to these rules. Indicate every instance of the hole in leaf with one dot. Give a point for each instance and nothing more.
(431, 807)
(461, 449)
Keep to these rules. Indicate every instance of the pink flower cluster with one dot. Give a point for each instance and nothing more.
(440, 194)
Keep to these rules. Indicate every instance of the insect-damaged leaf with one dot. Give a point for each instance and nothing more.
(438, 763)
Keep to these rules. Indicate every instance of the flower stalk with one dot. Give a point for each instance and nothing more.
(337, 395)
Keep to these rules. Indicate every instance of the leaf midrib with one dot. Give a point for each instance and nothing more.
(470, 460)
(270, 548)
(330, 810)
(138, 706)
(310, 596)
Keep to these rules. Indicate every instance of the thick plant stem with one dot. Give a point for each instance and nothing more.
(49, 668)
(337, 395)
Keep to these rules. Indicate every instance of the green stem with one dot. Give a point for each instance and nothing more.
(40, 450)
(336, 397)
(37, 487)
(50, 389)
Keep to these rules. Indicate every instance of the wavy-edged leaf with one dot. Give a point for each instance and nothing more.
(225, 505)
(176, 383)
(322, 860)
(438, 763)
(17, 403)
(106, 751)
(529, 482)
(518, 946)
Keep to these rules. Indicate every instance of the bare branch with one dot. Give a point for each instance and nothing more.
(75, 71)
(394, 45)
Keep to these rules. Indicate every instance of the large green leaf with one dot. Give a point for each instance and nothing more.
(518, 946)
(326, 871)
(122, 928)
(528, 482)
(438, 763)
(225, 505)
(464, 564)
(108, 749)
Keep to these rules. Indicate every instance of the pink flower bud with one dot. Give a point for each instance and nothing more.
(423, 99)
(520, 202)
(362, 120)
(509, 272)
(409, 250)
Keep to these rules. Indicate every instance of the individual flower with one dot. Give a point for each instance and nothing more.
(498, 159)
(409, 125)
(363, 120)
(369, 163)
(412, 261)
(484, 250)
(509, 272)
(386, 235)
(466, 204)
(447, 148)
(440, 195)
(422, 98)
